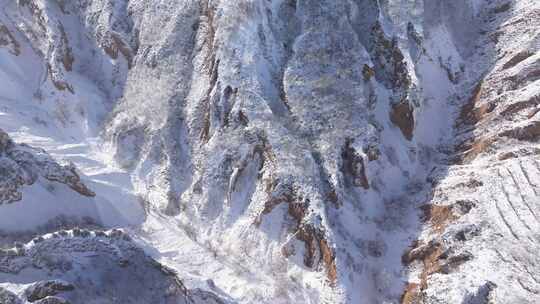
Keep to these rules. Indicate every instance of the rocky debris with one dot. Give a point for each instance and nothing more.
(411, 295)
(57, 79)
(456, 234)
(22, 165)
(8, 297)
(529, 104)
(367, 72)
(419, 251)
(473, 112)
(391, 70)
(317, 251)
(439, 216)
(502, 8)
(451, 263)
(483, 295)
(7, 40)
(466, 233)
(519, 57)
(530, 132)
(5, 141)
(114, 260)
(435, 258)
(67, 57)
(429, 255)
(113, 45)
(316, 245)
(518, 153)
(390, 66)
(472, 148)
(11, 180)
(44, 289)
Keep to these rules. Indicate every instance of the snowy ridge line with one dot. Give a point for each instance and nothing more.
(114, 234)
(76, 233)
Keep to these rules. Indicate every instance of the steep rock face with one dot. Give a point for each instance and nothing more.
(268, 96)
(289, 145)
(35, 189)
(23, 165)
(8, 41)
(481, 232)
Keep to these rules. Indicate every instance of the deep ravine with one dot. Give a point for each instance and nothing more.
(269, 151)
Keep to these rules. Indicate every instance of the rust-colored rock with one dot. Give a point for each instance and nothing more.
(114, 45)
(67, 58)
(438, 216)
(412, 294)
(367, 72)
(306, 235)
(433, 255)
(470, 150)
(329, 260)
(472, 113)
(402, 115)
(317, 249)
(317, 245)
(429, 254)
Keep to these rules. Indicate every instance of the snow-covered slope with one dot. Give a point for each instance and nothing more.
(480, 237)
(282, 151)
(81, 266)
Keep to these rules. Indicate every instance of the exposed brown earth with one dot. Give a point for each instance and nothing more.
(402, 115)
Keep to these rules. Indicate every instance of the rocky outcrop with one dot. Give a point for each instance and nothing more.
(9, 297)
(46, 289)
(7, 40)
(22, 165)
(482, 218)
(402, 115)
(111, 260)
(354, 167)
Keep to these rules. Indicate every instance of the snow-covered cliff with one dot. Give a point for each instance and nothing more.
(283, 151)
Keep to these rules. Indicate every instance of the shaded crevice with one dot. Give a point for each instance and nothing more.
(517, 59)
(291, 30)
(353, 167)
(207, 105)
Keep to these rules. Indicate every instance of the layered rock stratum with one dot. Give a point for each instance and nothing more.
(270, 151)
